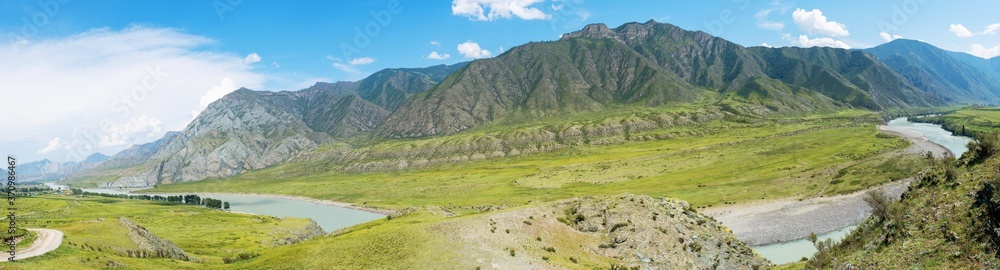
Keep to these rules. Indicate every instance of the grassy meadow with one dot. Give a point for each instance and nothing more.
(94, 238)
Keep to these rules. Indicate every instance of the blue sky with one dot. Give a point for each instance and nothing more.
(102, 75)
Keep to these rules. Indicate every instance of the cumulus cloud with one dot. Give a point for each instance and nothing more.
(814, 22)
(142, 128)
(982, 51)
(472, 50)
(888, 37)
(960, 30)
(53, 145)
(476, 10)
(361, 61)
(108, 76)
(438, 56)
(435, 43)
(225, 87)
(251, 58)
(766, 45)
(805, 41)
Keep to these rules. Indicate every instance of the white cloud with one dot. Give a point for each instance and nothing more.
(960, 30)
(435, 43)
(275, 64)
(113, 75)
(814, 22)
(346, 68)
(251, 58)
(764, 23)
(53, 145)
(766, 45)
(225, 87)
(991, 29)
(472, 50)
(476, 9)
(143, 128)
(361, 61)
(805, 41)
(981, 51)
(888, 37)
(436, 56)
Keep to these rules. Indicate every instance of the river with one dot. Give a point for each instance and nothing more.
(329, 217)
(795, 250)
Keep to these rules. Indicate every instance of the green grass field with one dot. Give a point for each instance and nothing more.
(93, 236)
(721, 162)
(968, 121)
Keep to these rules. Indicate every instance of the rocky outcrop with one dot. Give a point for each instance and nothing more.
(659, 233)
(150, 246)
(296, 235)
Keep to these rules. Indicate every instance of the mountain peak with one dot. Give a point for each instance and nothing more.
(594, 30)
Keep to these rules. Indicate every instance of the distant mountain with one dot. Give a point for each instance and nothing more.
(47, 170)
(957, 77)
(248, 129)
(649, 64)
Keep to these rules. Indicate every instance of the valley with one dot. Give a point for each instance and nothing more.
(644, 145)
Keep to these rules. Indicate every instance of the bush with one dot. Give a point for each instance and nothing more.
(987, 211)
(240, 257)
(879, 203)
(984, 147)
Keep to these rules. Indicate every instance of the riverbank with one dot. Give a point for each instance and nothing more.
(775, 221)
(921, 145)
(782, 220)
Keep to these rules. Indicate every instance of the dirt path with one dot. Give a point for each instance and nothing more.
(45, 240)
(772, 221)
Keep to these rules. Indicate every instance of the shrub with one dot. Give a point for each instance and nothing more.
(987, 210)
(879, 203)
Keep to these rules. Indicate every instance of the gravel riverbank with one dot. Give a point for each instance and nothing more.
(774, 221)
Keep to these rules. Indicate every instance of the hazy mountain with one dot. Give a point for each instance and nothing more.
(958, 77)
(47, 170)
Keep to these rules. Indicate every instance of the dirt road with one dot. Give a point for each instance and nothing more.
(45, 240)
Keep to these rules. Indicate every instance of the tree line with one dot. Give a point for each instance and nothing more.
(183, 199)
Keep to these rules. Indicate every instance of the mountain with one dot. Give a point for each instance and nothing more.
(957, 77)
(47, 170)
(648, 64)
(248, 129)
(595, 71)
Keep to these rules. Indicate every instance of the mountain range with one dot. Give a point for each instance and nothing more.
(636, 65)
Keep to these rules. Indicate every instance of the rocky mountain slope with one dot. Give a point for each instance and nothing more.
(249, 129)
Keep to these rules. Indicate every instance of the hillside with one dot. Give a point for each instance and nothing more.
(957, 77)
(948, 219)
(585, 233)
(649, 64)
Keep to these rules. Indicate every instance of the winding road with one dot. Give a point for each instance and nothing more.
(45, 240)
